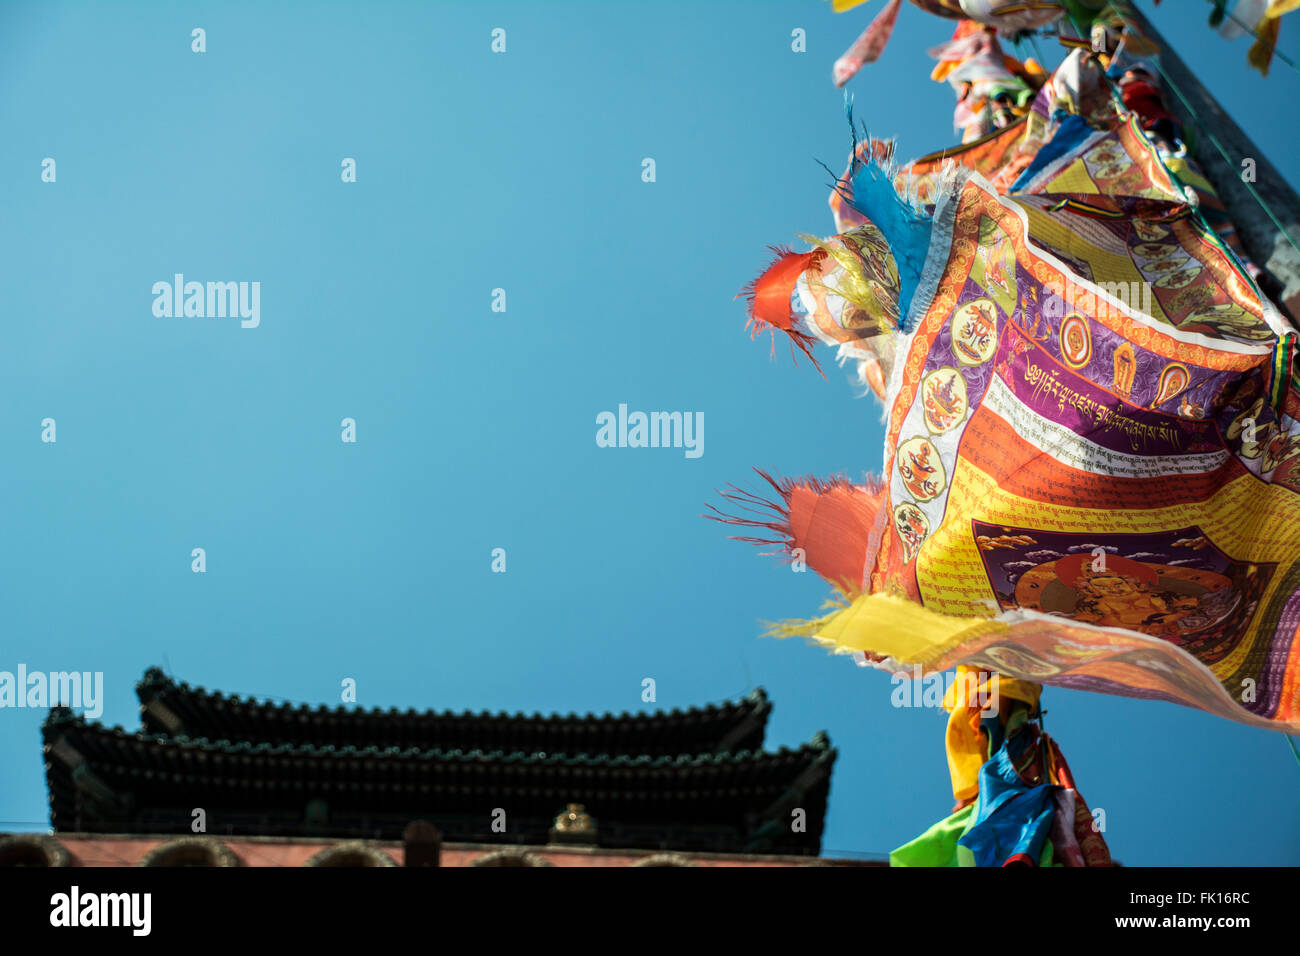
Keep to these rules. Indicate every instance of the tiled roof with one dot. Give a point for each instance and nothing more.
(175, 708)
(105, 779)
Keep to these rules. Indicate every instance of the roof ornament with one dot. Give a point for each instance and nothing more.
(574, 825)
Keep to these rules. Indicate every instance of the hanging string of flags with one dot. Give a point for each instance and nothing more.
(1092, 420)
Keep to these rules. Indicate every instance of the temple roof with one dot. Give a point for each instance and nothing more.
(177, 709)
(109, 780)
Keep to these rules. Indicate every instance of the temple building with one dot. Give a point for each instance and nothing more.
(217, 779)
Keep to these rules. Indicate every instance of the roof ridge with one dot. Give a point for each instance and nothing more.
(157, 681)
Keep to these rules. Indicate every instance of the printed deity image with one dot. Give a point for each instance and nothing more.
(1092, 428)
(1188, 592)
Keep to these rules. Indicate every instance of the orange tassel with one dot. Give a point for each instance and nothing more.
(769, 298)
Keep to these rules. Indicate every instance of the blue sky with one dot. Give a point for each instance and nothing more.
(476, 429)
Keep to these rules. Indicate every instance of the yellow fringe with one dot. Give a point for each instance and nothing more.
(852, 285)
(836, 604)
(886, 626)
